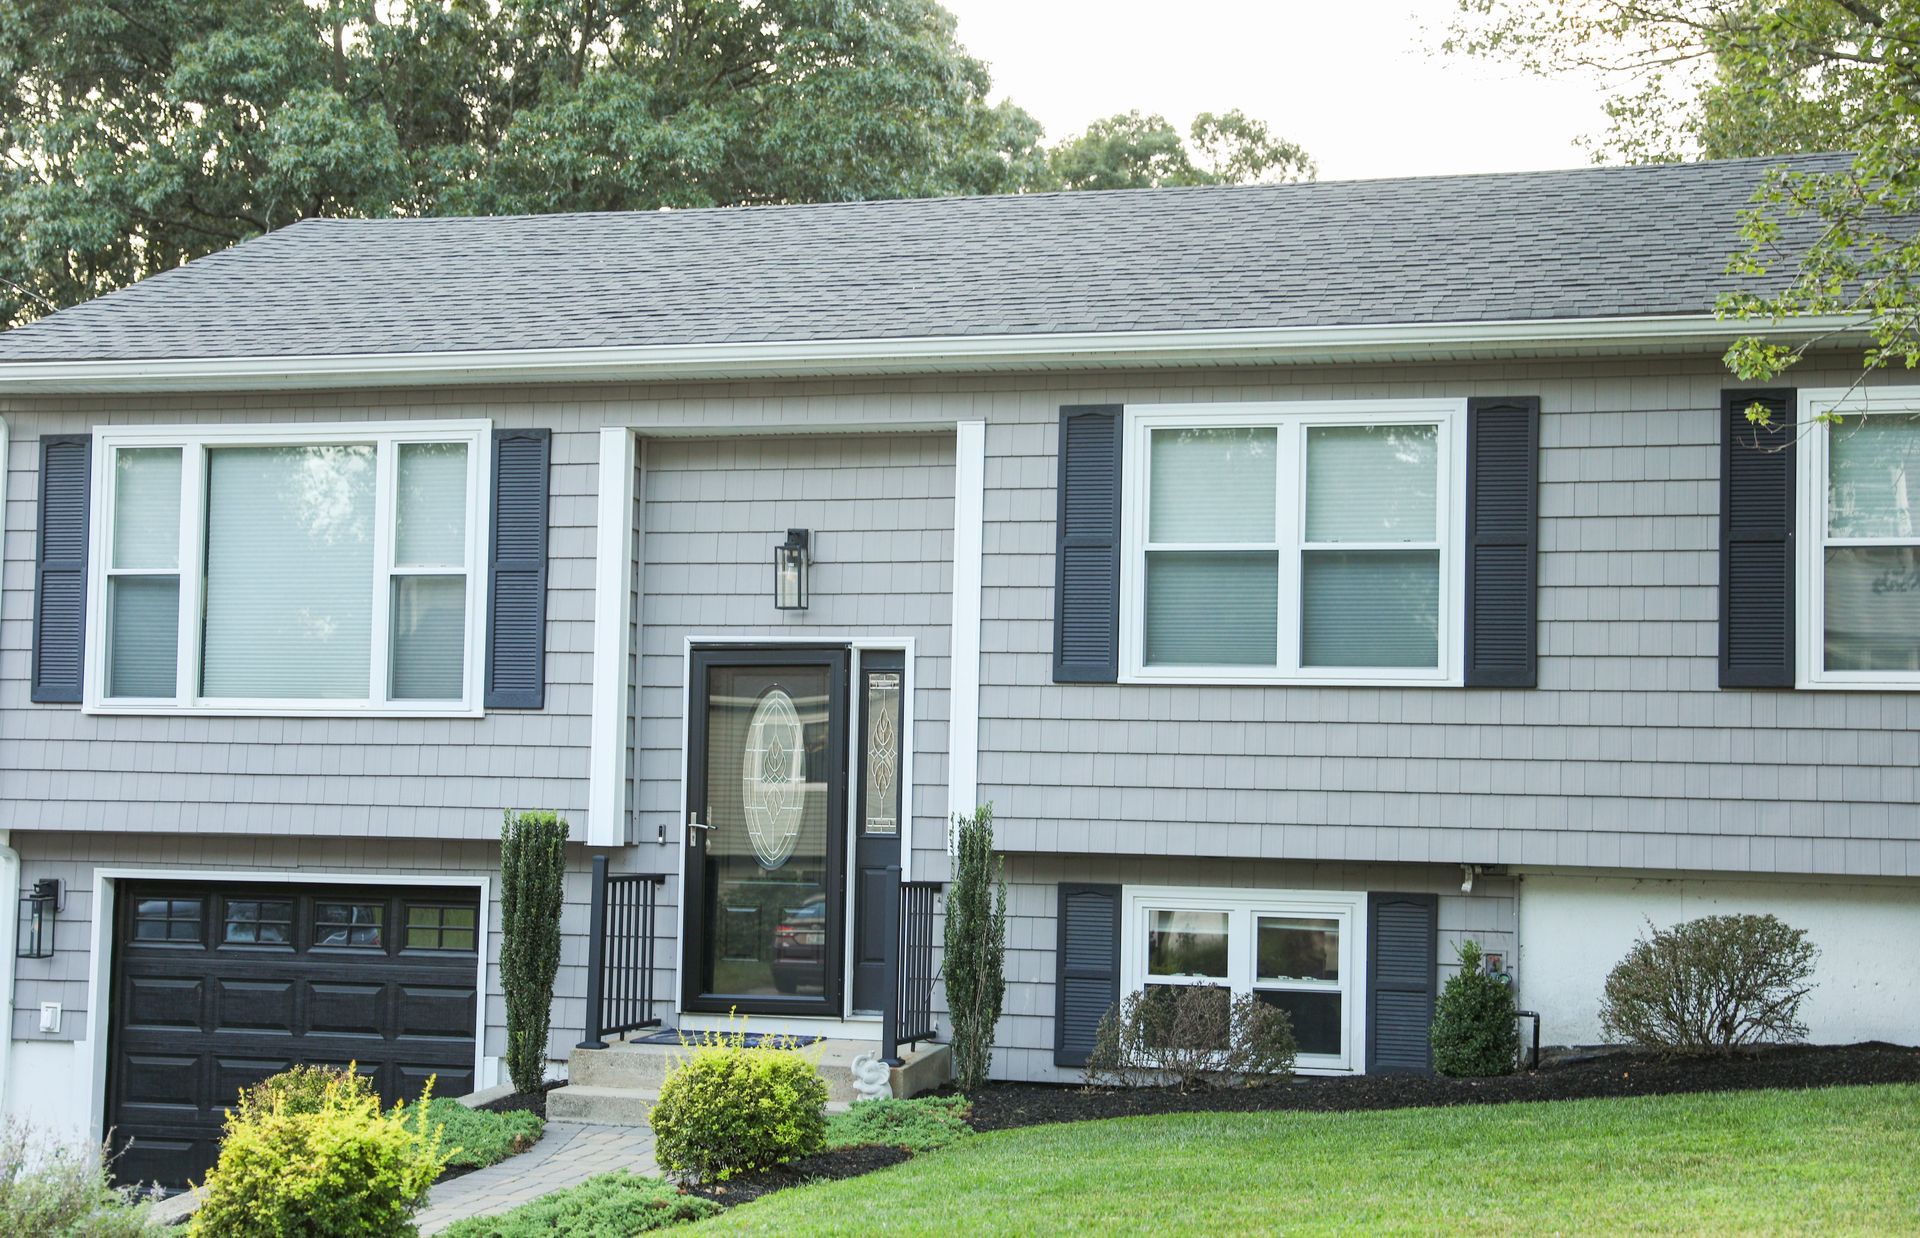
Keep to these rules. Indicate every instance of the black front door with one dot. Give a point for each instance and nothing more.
(766, 831)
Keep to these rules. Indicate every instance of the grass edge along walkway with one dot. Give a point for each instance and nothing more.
(1837, 1160)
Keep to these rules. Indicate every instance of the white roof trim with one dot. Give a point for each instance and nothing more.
(926, 354)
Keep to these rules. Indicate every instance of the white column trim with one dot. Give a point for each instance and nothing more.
(613, 584)
(963, 680)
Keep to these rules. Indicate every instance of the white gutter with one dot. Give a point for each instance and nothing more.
(925, 354)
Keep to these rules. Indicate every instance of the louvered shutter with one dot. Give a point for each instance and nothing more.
(1087, 977)
(60, 572)
(517, 574)
(1756, 541)
(1086, 627)
(1503, 450)
(1402, 943)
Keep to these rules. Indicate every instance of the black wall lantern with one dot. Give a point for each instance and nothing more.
(791, 559)
(43, 907)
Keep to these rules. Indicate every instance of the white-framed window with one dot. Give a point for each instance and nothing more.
(1301, 950)
(1294, 542)
(297, 569)
(1858, 490)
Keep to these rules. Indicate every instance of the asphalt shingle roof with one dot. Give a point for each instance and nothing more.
(1595, 242)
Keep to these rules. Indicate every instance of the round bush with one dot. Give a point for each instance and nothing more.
(728, 1110)
(1474, 1032)
(335, 1166)
(304, 1089)
(1711, 985)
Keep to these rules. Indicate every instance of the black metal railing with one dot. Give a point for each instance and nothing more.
(910, 973)
(620, 953)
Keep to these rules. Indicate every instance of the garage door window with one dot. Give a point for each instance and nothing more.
(167, 919)
(348, 924)
(440, 928)
(258, 922)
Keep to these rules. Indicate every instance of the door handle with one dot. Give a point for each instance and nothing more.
(694, 823)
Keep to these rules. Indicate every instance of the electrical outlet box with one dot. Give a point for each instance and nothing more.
(49, 1016)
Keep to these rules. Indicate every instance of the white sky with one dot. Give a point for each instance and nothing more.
(1353, 81)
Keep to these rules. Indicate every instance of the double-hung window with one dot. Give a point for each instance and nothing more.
(1859, 487)
(297, 569)
(1313, 542)
(1298, 950)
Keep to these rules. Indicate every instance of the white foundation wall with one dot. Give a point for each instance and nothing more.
(1574, 929)
(47, 1091)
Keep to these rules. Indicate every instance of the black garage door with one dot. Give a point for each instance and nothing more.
(218, 986)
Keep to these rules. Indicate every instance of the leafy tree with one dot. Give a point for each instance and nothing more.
(1137, 151)
(1737, 78)
(140, 135)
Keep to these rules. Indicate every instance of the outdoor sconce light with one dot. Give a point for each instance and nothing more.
(43, 906)
(791, 559)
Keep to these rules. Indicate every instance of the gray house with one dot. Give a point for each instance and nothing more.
(1310, 576)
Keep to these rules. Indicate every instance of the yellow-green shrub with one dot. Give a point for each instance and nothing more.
(295, 1164)
(728, 1109)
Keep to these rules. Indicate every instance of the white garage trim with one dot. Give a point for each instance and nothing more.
(92, 1052)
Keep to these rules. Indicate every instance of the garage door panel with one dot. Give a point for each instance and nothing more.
(255, 1005)
(156, 1002)
(163, 1079)
(347, 1009)
(427, 1010)
(447, 1080)
(190, 1027)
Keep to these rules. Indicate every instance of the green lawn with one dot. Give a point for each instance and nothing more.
(1843, 1160)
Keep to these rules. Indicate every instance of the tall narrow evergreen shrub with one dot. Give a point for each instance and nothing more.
(533, 850)
(976, 946)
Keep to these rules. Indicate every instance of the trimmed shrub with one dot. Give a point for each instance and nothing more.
(1475, 1032)
(475, 1138)
(533, 864)
(62, 1191)
(339, 1168)
(613, 1205)
(305, 1089)
(728, 1109)
(918, 1125)
(976, 946)
(1190, 1034)
(1711, 985)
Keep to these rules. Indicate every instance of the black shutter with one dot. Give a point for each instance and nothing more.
(60, 576)
(1086, 625)
(1403, 937)
(517, 576)
(1756, 540)
(1087, 979)
(1503, 450)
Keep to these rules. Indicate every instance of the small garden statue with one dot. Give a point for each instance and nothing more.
(872, 1078)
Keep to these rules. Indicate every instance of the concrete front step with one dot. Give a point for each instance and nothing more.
(617, 1086)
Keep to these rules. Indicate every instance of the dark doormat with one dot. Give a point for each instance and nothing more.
(750, 1040)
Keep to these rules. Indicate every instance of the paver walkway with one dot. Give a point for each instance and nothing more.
(568, 1154)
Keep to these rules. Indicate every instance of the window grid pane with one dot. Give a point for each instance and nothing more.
(1873, 467)
(428, 622)
(143, 636)
(1213, 485)
(430, 507)
(1187, 943)
(290, 570)
(349, 924)
(1212, 608)
(1370, 608)
(1372, 484)
(1872, 608)
(146, 508)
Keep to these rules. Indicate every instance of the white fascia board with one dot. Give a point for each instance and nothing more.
(925, 354)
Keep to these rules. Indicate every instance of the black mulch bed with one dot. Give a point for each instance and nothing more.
(820, 1167)
(1001, 1106)
(535, 1102)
